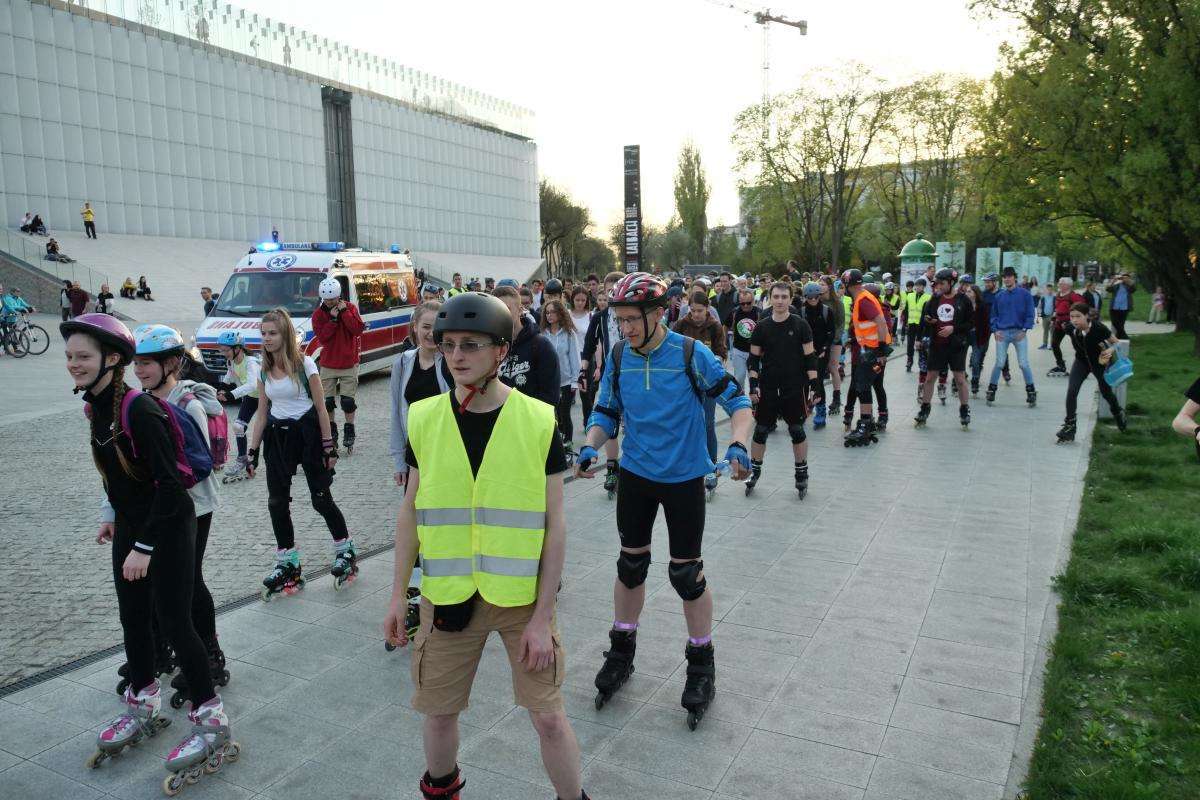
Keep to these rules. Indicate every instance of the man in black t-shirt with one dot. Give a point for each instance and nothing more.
(945, 322)
(741, 322)
(782, 368)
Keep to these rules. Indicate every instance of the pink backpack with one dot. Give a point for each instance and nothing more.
(218, 431)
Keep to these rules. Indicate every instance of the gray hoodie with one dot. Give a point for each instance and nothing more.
(402, 369)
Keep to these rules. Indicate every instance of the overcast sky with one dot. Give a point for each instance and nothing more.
(601, 74)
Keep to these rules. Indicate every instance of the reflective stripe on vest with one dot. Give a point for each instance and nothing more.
(481, 533)
(866, 331)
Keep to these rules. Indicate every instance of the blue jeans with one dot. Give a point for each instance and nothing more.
(710, 426)
(1022, 347)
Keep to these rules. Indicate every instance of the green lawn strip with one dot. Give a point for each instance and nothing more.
(1121, 700)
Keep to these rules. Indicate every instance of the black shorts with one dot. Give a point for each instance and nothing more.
(638, 500)
(863, 378)
(787, 402)
(953, 356)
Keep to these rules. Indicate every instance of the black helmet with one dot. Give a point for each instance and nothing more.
(553, 286)
(852, 277)
(946, 274)
(475, 312)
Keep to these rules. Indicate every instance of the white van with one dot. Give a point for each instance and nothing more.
(287, 275)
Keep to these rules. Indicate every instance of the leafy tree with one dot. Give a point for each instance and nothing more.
(562, 223)
(1097, 118)
(691, 201)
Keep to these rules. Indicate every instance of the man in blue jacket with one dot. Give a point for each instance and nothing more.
(1012, 319)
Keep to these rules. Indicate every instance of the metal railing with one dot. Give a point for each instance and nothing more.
(32, 250)
(223, 25)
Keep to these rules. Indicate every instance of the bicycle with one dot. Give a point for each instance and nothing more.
(38, 339)
(15, 343)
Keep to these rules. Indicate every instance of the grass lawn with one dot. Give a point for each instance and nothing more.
(1121, 700)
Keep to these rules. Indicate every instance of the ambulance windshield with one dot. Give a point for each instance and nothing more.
(252, 294)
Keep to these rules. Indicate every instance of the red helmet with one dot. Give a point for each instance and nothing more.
(639, 289)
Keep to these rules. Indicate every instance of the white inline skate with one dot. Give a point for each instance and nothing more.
(206, 748)
(140, 722)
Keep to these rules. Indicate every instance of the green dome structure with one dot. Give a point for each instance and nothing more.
(919, 251)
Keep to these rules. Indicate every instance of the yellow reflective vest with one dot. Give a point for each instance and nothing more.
(847, 307)
(483, 533)
(914, 304)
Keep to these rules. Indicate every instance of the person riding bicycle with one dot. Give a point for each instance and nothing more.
(650, 383)
(11, 309)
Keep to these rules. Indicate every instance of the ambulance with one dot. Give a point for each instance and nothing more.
(287, 274)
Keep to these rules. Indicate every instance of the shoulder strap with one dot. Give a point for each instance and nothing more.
(617, 349)
(689, 350)
(126, 404)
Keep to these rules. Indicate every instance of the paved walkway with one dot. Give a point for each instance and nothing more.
(877, 640)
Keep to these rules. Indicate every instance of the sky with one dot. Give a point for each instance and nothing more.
(601, 74)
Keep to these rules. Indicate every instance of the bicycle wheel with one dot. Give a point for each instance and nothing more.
(39, 340)
(17, 344)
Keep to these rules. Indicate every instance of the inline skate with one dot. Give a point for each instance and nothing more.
(348, 437)
(1007, 375)
(882, 422)
(610, 479)
(819, 416)
(922, 415)
(618, 665)
(1067, 432)
(848, 420)
(1122, 419)
(1031, 395)
(205, 749)
(974, 387)
(345, 563)
(1057, 372)
(991, 393)
(141, 721)
(835, 405)
(286, 577)
(216, 667)
(448, 792)
(863, 435)
(700, 686)
(941, 391)
(412, 616)
(755, 474)
(964, 416)
(801, 476)
(236, 471)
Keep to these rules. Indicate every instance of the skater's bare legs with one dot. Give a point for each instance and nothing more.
(835, 354)
(800, 451)
(627, 603)
(441, 743)
(698, 612)
(560, 751)
(960, 381)
(927, 391)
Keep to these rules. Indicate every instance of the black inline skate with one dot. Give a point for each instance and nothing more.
(345, 563)
(863, 435)
(1031, 395)
(610, 479)
(1067, 432)
(700, 686)
(216, 666)
(835, 405)
(941, 392)
(801, 476)
(975, 387)
(348, 438)
(922, 415)
(1057, 372)
(848, 420)
(755, 474)
(881, 422)
(964, 416)
(991, 393)
(285, 577)
(1007, 375)
(448, 792)
(618, 665)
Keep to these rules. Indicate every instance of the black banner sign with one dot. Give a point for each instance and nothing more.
(632, 253)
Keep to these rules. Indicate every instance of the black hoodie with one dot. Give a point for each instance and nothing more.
(532, 365)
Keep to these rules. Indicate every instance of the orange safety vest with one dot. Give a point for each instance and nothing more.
(865, 331)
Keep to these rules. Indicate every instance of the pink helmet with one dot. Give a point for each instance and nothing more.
(109, 330)
(639, 289)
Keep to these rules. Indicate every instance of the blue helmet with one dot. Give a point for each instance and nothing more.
(508, 282)
(967, 278)
(991, 276)
(837, 285)
(157, 340)
(231, 339)
(812, 289)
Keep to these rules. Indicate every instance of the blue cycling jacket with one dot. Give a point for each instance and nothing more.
(665, 438)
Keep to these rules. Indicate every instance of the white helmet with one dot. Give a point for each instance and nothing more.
(330, 289)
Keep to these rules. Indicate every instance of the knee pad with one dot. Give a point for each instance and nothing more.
(632, 568)
(277, 503)
(688, 578)
(797, 433)
(329, 404)
(322, 500)
(760, 433)
(348, 404)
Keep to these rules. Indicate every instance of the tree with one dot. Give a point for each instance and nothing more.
(562, 223)
(691, 201)
(1097, 117)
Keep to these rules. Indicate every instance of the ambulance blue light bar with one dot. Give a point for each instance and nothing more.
(330, 247)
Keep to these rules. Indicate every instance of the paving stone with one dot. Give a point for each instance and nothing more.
(31, 781)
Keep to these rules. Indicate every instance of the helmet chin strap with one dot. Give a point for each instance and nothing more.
(104, 370)
(479, 388)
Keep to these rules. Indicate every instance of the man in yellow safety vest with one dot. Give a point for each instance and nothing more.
(483, 507)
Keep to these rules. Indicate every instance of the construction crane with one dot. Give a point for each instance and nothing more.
(764, 19)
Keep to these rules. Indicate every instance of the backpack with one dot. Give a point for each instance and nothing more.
(218, 423)
(192, 458)
(689, 348)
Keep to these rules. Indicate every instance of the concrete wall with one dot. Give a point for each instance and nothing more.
(167, 137)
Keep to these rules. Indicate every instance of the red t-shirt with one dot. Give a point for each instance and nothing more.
(1062, 308)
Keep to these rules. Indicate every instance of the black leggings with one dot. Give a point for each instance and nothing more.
(1056, 337)
(245, 414)
(638, 500)
(1117, 318)
(566, 399)
(587, 401)
(1079, 373)
(297, 443)
(204, 613)
(912, 340)
(165, 594)
(852, 397)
